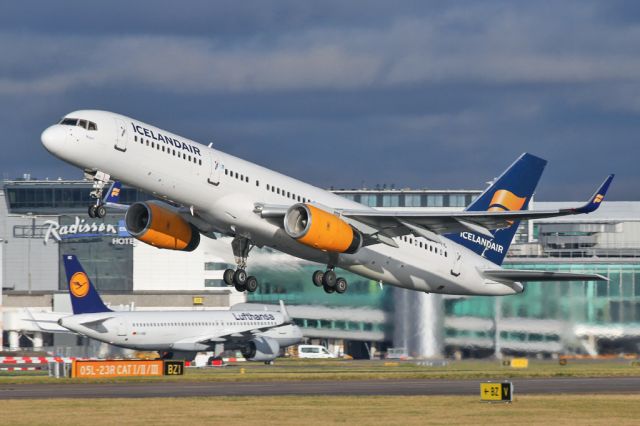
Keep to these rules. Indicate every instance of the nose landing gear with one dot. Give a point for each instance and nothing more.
(98, 209)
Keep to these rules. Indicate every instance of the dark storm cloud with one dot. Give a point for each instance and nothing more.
(416, 94)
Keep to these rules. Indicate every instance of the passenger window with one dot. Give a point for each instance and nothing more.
(92, 126)
(257, 183)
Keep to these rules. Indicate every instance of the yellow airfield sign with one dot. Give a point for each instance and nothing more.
(496, 391)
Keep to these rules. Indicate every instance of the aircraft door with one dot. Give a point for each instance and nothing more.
(121, 135)
(215, 168)
(122, 328)
(457, 260)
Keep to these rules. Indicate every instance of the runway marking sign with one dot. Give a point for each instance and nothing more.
(126, 368)
(519, 363)
(496, 391)
(173, 368)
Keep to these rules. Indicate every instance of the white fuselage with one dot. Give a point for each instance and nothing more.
(223, 190)
(179, 330)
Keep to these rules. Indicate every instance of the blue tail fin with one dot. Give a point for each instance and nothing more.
(84, 297)
(113, 195)
(511, 191)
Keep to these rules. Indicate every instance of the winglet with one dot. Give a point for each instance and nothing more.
(113, 195)
(597, 198)
(84, 297)
(285, 315)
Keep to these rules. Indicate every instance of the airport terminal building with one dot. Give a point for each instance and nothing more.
(41, 220)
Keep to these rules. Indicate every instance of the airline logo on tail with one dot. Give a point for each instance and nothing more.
(598, 198)
(504, 200)
(79, 284)
(115, 192)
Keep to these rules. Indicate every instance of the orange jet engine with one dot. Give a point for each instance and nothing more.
(321, 230)
(161, 226)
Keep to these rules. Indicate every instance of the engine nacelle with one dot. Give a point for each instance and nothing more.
(161, 226)
(322, 230)
(261, 349)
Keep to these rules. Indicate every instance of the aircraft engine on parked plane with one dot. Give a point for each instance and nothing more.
(321, 230)
(161, 226)
(261, 349)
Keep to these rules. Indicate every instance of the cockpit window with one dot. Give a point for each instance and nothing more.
(69, 121)
(89, 125)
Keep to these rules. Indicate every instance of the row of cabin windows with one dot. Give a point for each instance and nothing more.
(237, 175)
(424, 245)
(201, 324)
(271, 188)
(287, 194)
(171, 151)
(85, 124)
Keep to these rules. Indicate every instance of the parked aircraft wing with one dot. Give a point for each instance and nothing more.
(521, 275)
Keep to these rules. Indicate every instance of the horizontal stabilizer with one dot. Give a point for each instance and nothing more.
(520, 275)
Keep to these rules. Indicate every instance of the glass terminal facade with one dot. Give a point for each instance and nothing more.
(548, 318)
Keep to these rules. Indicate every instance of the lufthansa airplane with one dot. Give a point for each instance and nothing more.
(259, 335)
(207, 191)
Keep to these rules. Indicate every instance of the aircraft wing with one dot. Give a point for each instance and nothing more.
(227, 335)
(380, 226)
(397, 223)
(521, 275)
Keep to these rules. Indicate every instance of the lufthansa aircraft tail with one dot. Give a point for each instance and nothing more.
(84, 297)
(510, 192)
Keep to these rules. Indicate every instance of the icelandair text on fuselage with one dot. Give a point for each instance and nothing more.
(485, 242)
(143, 131)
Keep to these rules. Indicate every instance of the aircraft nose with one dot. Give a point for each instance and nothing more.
(53, 137)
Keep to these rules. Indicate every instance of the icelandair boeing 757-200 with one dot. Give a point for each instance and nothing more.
(208, 192)
(259, 335)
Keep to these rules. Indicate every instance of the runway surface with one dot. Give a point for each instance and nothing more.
(356, 387)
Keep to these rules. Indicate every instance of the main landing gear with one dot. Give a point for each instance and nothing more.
(97, 209)
(238, 278)
(329, 281)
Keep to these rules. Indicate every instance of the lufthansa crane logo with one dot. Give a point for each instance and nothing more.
(79, 284)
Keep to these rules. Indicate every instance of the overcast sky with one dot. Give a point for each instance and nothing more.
(420, 94)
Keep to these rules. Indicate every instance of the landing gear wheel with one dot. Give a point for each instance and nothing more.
(240, 277)
(251, 284)
(341, 285)
(101, 211)
(227, 276)
(329, 279)
(328, 290)
(317, 278)
(92, 211)
(240, 288)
